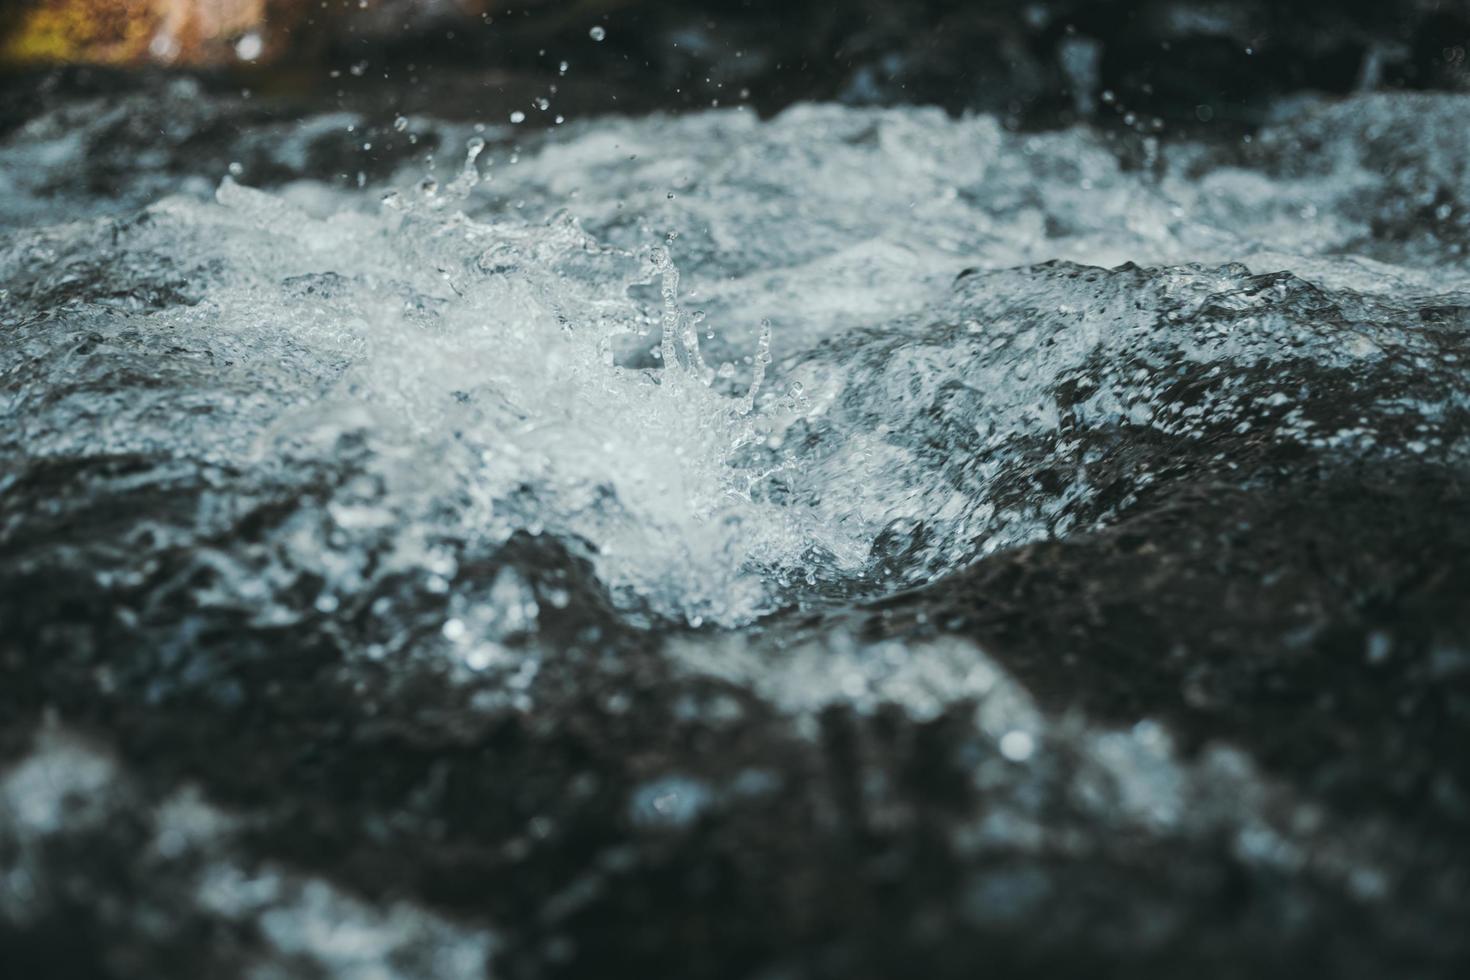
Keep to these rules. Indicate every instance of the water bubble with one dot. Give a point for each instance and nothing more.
(517, 117)
(400, 124)
(597, 33)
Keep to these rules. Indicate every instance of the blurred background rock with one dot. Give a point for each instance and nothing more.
(1142, 63)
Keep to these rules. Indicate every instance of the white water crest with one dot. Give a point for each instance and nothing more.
(729, 360)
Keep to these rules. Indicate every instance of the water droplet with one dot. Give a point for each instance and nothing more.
(1017, 746)
(597, 33)
(249, 47)
(400, 124)
(518, 117)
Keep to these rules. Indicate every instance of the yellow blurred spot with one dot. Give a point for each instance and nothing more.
(130, 32)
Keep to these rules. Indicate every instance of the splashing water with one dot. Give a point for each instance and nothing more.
(484, 371)
(518, 351)
(1087, 516)
(470, 367)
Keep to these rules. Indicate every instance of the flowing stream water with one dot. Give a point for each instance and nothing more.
(706, 390)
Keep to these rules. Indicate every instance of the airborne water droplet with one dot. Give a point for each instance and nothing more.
(249, 47)
(597, 33)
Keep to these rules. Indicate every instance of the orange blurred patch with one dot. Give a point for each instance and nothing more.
(135, 32)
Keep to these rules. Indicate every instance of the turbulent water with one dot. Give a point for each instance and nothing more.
(468, 398)
(570, 337)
